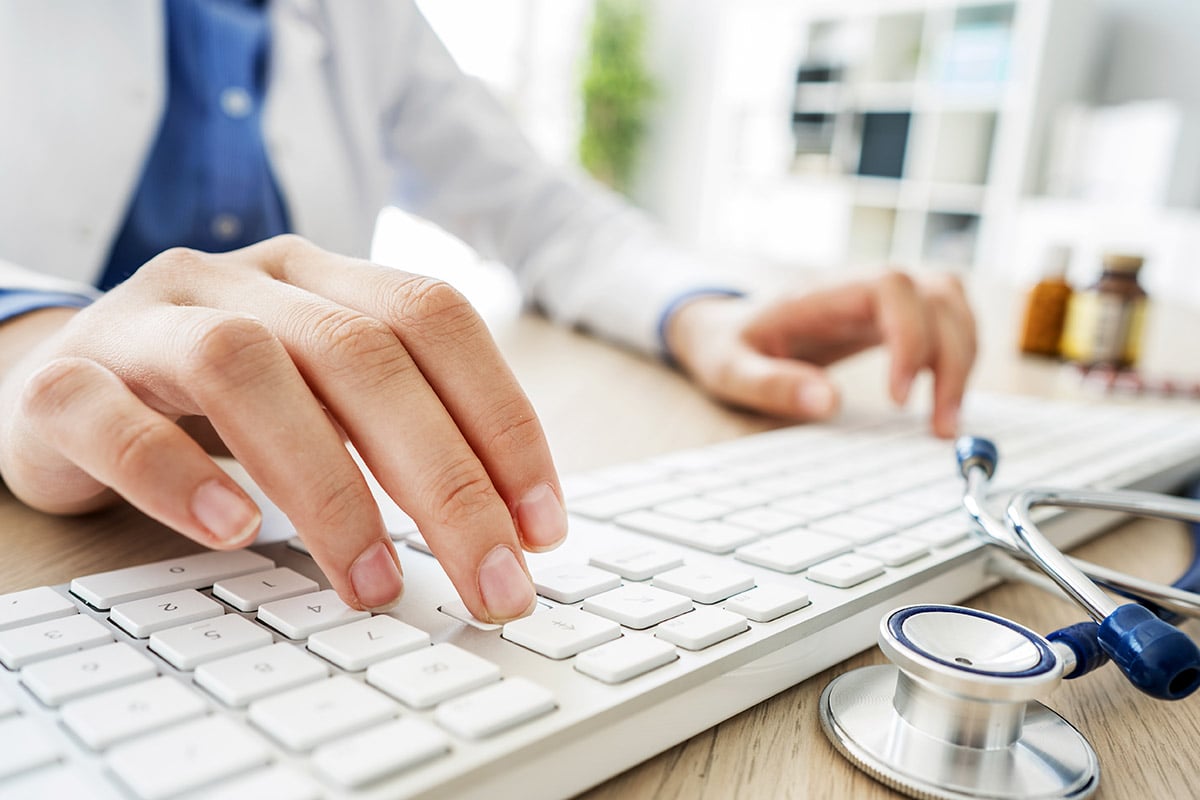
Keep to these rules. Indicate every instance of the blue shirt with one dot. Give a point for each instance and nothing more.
(207, 183)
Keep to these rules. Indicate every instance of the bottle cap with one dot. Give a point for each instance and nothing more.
(1122, 262)
(1055, 260)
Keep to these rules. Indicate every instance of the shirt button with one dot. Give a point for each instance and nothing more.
(236, 102)
(226, 227)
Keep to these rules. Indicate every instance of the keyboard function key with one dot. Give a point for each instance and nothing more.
(895, 551)
(561, 632)
(638, 606)
(32, 605)
(703, 584)
(189, 646)
(488, 711)
(67, 677)
(246, 677)
(248, 592)
(303, 718)
(360, 644)
(54, 637)
(570, 583)
(792, 552)
(387, 749)
(106, 589)
(767, 603)
(626, 658)
(845, 571)
(636, 563)
(190, 756)
(426, 677)
(303, 615)
(140, 618)
(105, 719)
(702, 628)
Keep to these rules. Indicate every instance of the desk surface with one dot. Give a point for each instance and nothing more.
(601, 406)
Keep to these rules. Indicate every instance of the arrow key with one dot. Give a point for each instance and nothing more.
(561, 632)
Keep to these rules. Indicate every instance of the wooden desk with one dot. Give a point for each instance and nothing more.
(601, 406)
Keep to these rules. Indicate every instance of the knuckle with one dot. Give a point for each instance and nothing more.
(53, 386)
(460, 492)
(224, 343)
(169, 264)
(134, 446)
(337, 505)
(350, 338)
(516, 426)
(435, 306)
(291, 244)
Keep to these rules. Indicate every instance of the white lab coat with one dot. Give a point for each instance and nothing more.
(364, 108)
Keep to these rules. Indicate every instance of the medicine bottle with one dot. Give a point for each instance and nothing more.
(1046, 305)
(1104, 321)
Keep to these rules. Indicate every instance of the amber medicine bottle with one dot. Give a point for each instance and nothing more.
(1046, 306)
(1104, 322)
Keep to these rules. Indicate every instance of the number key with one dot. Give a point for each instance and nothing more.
(143, 617)
(302, 616)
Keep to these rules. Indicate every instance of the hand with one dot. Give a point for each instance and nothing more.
(770, 358)
(286, 349)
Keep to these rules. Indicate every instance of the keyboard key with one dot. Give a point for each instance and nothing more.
(457, 609)
(899, 515)
(702, 628)
(792, 552)
(612, 503)
(21, 646)
(417, 542)
(7, 705)
(319, 712)
(244, 678)
(858, 530)
(32, 605)
(360, 644)
(26, 745)
(105, 719)
(189, 646)
(625, 658)
(359, 759)
(766, 603)
(638, 607)
(301, 616)
(942, 531)
(187, 757)
(492, 709)
(740, 497)
(275, 782)
(105, 589)
(714, 537)
(765, 520)
(67, 677)
(141, 618)
(895, 551)
(695, 509)
(704, 585)
(49, 782)
(570, 583)
(428, 676)
(845, 571)
(808, 507)
(560, 632)
(636, 563)
(248, 592)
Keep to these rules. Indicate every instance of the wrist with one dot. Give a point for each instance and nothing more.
(684, 317)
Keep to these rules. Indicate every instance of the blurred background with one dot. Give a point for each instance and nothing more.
(781, 135)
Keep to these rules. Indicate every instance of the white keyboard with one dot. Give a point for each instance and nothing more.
(691, 587)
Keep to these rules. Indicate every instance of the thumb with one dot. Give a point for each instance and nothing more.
(781, 387)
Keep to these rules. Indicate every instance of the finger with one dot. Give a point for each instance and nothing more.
(97, 424)
(954, 354)
(782, 387)
(454, 351)
(902, 323)
(231, 369)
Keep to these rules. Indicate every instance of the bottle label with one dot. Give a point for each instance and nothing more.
(1103, 328)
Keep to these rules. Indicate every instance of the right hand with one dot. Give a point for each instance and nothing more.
(288, 350)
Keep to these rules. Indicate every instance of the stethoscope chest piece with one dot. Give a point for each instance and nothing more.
(957, 716)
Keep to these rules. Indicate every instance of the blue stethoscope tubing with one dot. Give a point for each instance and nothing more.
(1138, 637)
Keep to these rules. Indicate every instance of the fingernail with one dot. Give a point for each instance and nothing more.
(228, 516)
(541, 518)
(816, 399)
(506, 589)
(903, 387)
(376, 579)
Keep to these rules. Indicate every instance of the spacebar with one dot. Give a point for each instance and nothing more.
(103, 590)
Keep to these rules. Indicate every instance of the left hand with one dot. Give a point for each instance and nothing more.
(771, 357)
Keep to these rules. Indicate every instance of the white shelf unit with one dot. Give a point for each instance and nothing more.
(918, 128)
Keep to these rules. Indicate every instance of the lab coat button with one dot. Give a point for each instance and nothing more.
(236, 102)
(226, 226)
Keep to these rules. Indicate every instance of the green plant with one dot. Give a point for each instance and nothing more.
(616, 89)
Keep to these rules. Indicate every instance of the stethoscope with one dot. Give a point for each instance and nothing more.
(957, 715)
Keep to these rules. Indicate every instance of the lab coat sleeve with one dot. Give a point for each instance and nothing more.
(19, 280)
(581, 254)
